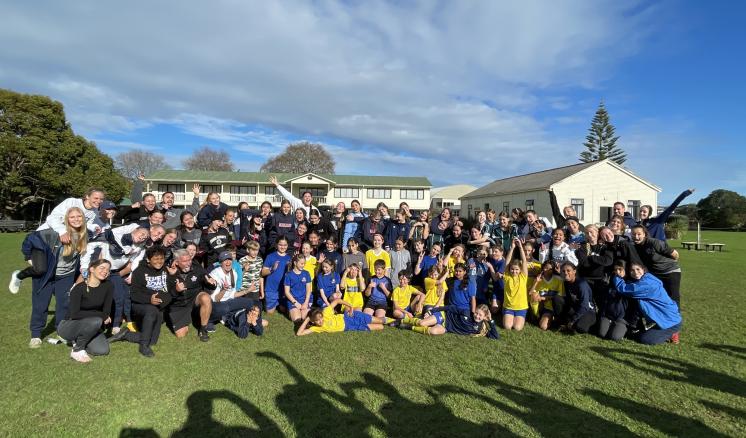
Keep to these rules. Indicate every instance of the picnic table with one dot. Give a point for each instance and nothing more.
(706, 246)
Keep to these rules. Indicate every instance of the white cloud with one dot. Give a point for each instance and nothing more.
(444, 89)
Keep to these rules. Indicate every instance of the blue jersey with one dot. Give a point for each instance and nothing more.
(328, 283)
(461, 297)
(479, 274)
(377, 296)
(274, 281)
(427, 263)
(297, 283)
(498, 286)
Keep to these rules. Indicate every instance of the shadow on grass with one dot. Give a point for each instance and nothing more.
(737, 414)
(676, 370)
(660, 420)
(548, 416)
(730, 350)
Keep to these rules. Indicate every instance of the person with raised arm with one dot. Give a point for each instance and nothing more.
(304, 202)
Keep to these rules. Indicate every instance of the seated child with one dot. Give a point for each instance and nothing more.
(326, 321)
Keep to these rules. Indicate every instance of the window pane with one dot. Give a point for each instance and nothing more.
(506, 207)
(346, 192)
(211, 188)
(579, 206)
(271, 190)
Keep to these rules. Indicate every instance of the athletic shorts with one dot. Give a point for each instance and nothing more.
(271, 300)
(376, 305)
(440, 317)
(181, 316)
(358, 322)
(521, 313)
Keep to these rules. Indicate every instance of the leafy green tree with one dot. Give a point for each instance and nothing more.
(723, 209)
(301, 157)
(43, 160)
(600, 143)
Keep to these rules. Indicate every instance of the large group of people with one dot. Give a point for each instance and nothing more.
(342, 269)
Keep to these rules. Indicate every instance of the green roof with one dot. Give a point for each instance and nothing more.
(202, 176)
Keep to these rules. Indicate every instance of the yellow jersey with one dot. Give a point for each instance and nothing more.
(353, 294)
(371, 257)
(516, 292)
(554, 285)
(332, 322)
(310, 266)
(403, 296)
(452, 262)
(431, 291)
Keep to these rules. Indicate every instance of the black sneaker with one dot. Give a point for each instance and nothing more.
(203, 335)
(146, 351)
(119, 336)
(210, 327)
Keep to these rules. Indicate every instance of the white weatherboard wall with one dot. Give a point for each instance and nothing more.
(600, 186)
(540, 198)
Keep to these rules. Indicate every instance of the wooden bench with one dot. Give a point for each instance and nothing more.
(713, 246)
(12, 226)
(690, 245)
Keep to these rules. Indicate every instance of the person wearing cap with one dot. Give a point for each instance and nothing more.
(102, 222)
(215, 240)
(227, 296)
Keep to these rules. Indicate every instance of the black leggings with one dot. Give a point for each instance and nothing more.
(38, 265)
(583, 324)
(148, 319)
(672, 283)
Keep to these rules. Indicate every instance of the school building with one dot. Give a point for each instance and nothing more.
(327, 190)
(592, 188)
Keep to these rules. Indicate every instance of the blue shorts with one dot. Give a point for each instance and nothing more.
(358, 322)
(521, 313)
(271, 300)
(439, 317)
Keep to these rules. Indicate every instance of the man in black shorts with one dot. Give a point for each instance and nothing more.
(188, 286)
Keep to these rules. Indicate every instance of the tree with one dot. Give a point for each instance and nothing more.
(138, 162)
(601, 141)
(723, 209)
(301, 157)
(209, 159)
(41, 158)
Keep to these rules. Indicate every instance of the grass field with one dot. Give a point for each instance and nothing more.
(393, 383)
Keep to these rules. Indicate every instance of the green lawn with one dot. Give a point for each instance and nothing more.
(393, 383)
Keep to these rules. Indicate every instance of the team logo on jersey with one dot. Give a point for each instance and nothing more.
(194, 278)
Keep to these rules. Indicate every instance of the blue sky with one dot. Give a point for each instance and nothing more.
(461, 92)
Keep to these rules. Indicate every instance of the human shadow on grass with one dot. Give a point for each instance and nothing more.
(200, 421)
(548, 416)
(675, 370)
(311, 412)
(733, 412)
(660, 420)
(730, 350)
(50, 327)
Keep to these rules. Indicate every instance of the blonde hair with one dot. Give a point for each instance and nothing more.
(78, 237)
(484, 326)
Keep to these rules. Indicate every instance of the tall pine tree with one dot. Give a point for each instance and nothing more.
(600, 143)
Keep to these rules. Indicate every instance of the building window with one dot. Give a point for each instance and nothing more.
(506, 207)
(315, 191)
(579, 206)
(468, 208)
(447, 204)
(175, 188)
(634, 208)
(529, 204)
(346, 192)
(378, 193)
(271, 190)
(243, 190)
(411, 194)
(486, 207)
(211, 188)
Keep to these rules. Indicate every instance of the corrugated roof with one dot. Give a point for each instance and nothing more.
(452, 192)
(258, 177)
(531, 181)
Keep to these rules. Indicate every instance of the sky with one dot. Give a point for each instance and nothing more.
(463, 92)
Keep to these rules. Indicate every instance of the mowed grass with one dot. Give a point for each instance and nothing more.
(393, 383)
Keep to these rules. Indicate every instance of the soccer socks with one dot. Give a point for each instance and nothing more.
(423, 330)
(410, 320)
(388, 320)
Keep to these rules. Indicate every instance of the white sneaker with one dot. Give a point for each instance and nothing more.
(15, 282)
(56, 340)
(34, 343)
(80, 356)
(115, 330)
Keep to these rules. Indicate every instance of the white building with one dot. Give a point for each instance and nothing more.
(592, 188)
(449, 196)
(255, 188)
